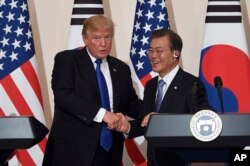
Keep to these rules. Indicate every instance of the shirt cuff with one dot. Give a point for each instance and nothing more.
(126, 134)
(99, 116)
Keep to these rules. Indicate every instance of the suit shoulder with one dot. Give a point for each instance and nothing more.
(151, 82)
(190, 76)
(191, 79)
(119, 62)
(67, 54)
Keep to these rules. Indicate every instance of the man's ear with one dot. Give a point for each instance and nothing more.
(84, 40)
(175, 54)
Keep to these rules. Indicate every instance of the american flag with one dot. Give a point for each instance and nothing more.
(20, 92)
(149, 16)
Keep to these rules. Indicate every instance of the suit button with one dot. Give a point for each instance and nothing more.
(82, 118)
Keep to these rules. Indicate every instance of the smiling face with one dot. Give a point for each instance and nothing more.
(98, 42)
(161, 55)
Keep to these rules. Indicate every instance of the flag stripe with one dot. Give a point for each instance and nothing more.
(224, 14)
(82, 16)
(88, 6)
(13, 161)
(133, 152)
(77, 21)
(224, 8)
(7, 106)
(24, 158)
(88, 11)
(224, 3)
(34, 65)
(31, 76)
(87, 1)
(42, 144)
(145, 79)
(35, 152)
(1, 112)
(223, 0)
(223, 19)
(28, 94)
(15, 96)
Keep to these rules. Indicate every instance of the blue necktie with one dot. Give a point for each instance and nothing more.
(158, 101)
(106, 135)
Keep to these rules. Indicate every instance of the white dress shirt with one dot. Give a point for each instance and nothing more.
(105, 71)
(168, 78)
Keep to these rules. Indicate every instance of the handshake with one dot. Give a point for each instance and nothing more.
(119, 122)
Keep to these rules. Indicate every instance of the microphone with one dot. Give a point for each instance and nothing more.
(218, 84)
(193, 92)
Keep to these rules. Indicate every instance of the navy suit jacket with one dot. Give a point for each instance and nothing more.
(185, 94)
(74, 135)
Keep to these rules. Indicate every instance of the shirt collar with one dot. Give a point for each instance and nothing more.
(170, 76)
(93, 59)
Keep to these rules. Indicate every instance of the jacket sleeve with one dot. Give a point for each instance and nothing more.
(66, 95)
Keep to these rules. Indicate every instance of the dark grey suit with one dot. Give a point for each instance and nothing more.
(74, 136)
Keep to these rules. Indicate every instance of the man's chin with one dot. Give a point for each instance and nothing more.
(155, 69)
(101, 56)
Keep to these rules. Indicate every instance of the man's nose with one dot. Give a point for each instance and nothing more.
(103, 42)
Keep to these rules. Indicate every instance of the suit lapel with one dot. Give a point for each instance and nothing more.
(153, 91)
(115, 83)
(172, 90)
(87, 68)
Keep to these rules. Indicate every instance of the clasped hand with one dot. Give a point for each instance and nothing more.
(119, 122)
(116, 121)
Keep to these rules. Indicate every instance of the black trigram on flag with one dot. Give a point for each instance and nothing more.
(227, 11)
(82, 9)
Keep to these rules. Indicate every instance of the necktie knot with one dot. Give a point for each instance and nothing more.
(161, 83)
(98, 61)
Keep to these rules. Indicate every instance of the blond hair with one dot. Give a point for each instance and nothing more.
(98, 22)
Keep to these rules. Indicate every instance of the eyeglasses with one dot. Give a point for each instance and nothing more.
(158, 52)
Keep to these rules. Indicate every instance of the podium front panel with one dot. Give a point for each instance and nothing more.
(173, 131)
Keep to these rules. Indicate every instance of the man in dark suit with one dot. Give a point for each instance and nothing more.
(172, 91)
(81, 113)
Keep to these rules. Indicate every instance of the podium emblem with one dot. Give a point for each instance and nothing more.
(206, 125)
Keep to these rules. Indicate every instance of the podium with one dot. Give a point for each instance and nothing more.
(19, 133)
(173, 131)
